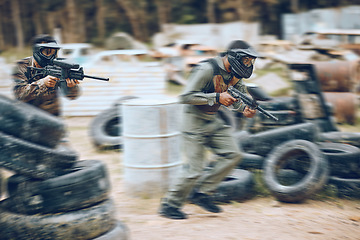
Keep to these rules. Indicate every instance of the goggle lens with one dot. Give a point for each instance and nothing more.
(248, 61)
(49, 51)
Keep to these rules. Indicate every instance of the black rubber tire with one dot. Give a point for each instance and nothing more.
(1, 183)
(241, 138)
(237, 186)
(264, 142)
(105, 129)
(288, 177)
(228, 116)
(344, 159)
(316, 173)
(251, 161)
(83, 224)
(352, 138)
(86, 185)
(33, 160)
(29, 123)
(119, 232)
(280, 104)
(325, 125)
(346, 187)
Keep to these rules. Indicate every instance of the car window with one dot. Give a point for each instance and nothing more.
(67, 51)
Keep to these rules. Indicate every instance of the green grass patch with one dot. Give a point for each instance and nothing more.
(173, 88)
(277, 69)
(260, 189)
(11, 55)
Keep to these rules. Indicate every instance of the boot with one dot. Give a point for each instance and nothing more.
(203, 200)
(171, 212)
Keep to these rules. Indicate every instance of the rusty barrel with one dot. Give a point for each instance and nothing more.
(344, 106)
(151, 147)
(338, 76)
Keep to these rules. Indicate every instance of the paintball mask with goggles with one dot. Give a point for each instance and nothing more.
(44, 53)
(242, 58)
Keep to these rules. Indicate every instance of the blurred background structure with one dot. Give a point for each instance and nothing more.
(147, 47)
(94, 21)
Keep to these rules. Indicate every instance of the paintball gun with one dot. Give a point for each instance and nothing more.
(62, 69)
(257, 95)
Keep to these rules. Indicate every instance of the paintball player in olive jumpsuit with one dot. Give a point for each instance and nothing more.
(205, 91)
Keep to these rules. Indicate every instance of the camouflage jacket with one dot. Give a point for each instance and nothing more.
(35, 92)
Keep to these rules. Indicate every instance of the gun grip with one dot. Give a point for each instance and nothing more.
(63, 87)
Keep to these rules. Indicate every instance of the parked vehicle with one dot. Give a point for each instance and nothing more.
(180, 57)
(344, 38)
(77, 52)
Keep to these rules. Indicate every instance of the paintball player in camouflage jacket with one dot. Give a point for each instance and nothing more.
(205, 91)
(41, 91)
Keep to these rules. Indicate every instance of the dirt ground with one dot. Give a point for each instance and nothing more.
(254, 219)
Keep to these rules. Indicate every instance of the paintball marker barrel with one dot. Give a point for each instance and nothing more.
(97, 78)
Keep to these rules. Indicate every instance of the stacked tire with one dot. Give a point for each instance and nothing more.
(52, 194)
(309, 166)
(299, 160)
(105, 130)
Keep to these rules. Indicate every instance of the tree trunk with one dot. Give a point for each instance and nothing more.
(80, 30)
(72, 20)
(50, 20)
(37, 22)
(15, 10)
(245, 10)
(210, 11)
(134, 19)
(100, 19)
(295, 6)
(164, 10)
(2, 39)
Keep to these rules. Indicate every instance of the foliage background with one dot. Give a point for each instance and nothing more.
(94, 20)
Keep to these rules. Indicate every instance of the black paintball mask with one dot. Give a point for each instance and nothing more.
(44, 53)
(242, 60)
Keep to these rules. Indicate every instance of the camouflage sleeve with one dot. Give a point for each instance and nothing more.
(25, 90)
(239, 106)
(73, 93)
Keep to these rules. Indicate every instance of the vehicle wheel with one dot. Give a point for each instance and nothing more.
(85, 185)
(346, 187)
(106, 128)
(352, 138)
(33, 160)
(237, 186)
(120, 232)
(305, 158)
(29, 123)
(344, 159)
(264, 142)
(87, 223)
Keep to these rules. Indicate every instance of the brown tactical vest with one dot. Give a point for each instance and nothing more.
(218, 85)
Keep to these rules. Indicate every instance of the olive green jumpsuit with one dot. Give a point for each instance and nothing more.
(202, 129)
